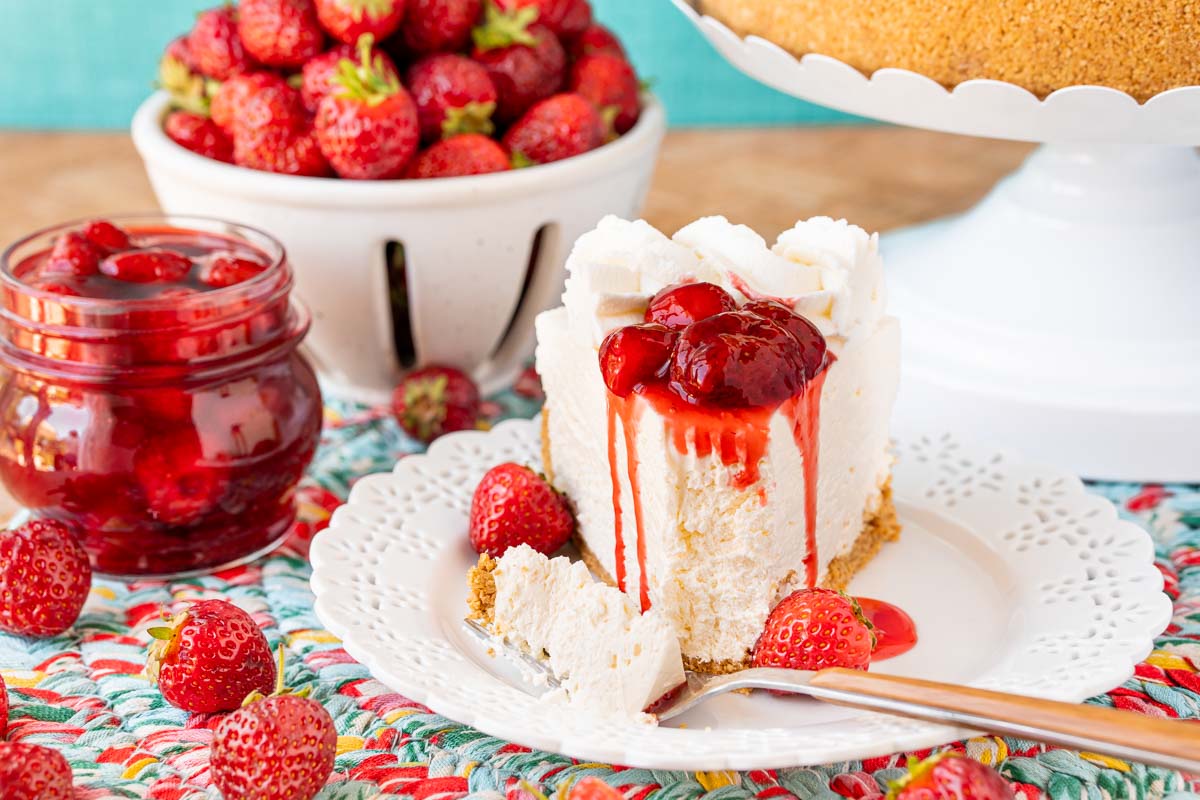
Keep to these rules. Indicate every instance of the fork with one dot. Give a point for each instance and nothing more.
(1174, 744)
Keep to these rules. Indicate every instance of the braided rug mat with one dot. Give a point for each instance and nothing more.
(83, 692)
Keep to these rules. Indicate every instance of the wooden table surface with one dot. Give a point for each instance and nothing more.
(877, 177)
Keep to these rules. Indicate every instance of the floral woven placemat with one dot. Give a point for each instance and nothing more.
(83, 693)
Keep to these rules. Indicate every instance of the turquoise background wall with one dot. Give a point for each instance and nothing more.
(88, 63)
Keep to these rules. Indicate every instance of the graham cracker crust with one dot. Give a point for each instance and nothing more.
(879, 527)
(481, 584)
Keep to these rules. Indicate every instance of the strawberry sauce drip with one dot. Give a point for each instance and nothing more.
(895, 631)
(630, 412)
(805, 414)
(613, 469)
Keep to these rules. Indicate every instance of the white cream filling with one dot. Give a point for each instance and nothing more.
(610, 658)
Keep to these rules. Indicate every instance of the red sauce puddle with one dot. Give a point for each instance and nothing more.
(895, 631)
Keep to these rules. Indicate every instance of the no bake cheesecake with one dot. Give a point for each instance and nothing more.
(754, 459)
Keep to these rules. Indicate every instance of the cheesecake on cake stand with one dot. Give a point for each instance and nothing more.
(1058, 315)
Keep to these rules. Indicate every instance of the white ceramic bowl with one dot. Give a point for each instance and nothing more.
(473, 277)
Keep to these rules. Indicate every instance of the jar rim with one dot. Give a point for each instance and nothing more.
(182, 222)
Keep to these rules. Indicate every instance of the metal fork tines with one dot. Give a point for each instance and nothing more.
(536, 670)
(1120, 734)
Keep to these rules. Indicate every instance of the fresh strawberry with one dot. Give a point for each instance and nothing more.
(33, 772)
(590, 788)
(73, 254)
(611, 85)
(179, 76)
(317, 77)
(177, 486)
(210, 657)
(435, 400)
(106, 236)
(548, 12)
(815, 629)
(514, 505)
(280, 33)
(156, 265)
(468, 154)
(435, 26)
(283, 151)
(525, 60)
(595, 40)
(368, 128)
(273, 133)
(950, 776)
(556, 128)
(453, 95)
(576, 19)
(346, 20)
(178, 49)
(3, 709)
(215, 46)
(276, 748)
(224, 271)
(200, 135)
(44, 578)
(231, 96)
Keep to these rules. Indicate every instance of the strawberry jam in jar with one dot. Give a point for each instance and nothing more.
(153, 395)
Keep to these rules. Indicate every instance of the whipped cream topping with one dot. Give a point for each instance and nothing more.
(828, 270)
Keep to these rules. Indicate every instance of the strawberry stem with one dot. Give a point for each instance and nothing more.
(279, 671)
(375, 9)
(163, 634)
(502, 29)
(521, 161)
(366, 81)
(473, 117)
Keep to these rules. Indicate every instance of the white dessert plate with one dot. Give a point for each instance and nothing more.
(1017, 577)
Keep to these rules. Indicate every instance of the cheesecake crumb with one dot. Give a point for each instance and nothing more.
(482, 587)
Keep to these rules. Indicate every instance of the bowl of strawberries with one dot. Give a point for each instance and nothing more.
(427, 163)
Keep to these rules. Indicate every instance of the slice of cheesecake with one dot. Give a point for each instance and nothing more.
(741, 468)
(609, 657)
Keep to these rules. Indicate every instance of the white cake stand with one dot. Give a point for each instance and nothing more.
(1061, 315)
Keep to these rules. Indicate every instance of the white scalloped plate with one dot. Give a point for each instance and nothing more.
(977, 107)
(1017, 577)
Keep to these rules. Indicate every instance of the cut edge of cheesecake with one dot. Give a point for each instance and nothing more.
(880, 526)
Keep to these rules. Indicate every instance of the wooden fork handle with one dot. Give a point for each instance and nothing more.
(1108, 731)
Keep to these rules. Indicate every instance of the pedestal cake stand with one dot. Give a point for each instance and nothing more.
(1061, 315)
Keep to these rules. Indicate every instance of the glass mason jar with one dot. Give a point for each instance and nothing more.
(170, 428)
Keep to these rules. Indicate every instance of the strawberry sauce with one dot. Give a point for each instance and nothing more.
(805, 414)
(895, 631)
(154, 398)
(716, 375)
